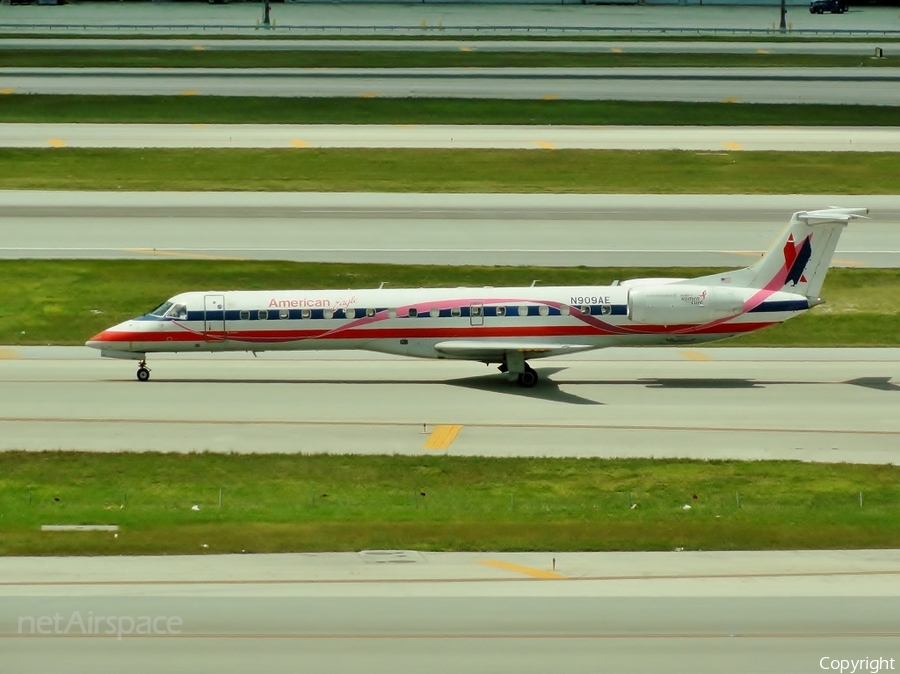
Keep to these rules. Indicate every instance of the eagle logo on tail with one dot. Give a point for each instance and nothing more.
(796, 258)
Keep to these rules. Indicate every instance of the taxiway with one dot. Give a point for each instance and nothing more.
(384, 611)
(805, 404)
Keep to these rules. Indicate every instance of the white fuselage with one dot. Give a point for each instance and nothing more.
(413, 322)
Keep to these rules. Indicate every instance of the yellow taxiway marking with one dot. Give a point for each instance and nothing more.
(369, 94)
(296, 142)
(56, 142)
(7, 90)
(763, 51)
(731, 99)
(188, 92)
(198, 47)
(544, 144)
(690, 354)
(527, 570)
(732, 146)
(8, 354)
(617, 50)
(848, 263)
(442, 437)
(174, 253)
(550, 97)
(466, 49)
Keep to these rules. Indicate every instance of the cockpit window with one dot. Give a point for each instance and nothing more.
(161, 309)
(178, 312)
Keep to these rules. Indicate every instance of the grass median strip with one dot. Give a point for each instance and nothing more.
(64, 302)
(516, 171)
(280, 503)
(268, 110)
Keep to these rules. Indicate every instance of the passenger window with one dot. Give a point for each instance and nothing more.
(263, 314)
(434, 312)
(392, 313)
(413, 312)
(455, 311)
(523, 310)
(350, 313)
(245, 315)
(585, 309)
(327, 313)
(284, 314)
(306, 313)
(501, 311)
(544, 310)
(605, 310)
(476, 310)
(370, 313)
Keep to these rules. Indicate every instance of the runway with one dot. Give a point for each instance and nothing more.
(450, 229)
(861, 49)
(851, 86)
(808, 404)
(386, 611)
(442, 19)
(438, 136)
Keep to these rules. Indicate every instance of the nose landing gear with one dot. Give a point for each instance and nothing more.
(143, 373)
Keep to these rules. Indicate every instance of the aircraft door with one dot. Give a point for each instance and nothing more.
(476, 313)
(214, 318)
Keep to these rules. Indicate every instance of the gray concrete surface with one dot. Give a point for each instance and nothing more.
(443, 136)
(833, 47)
(639, 612)
(847, 86)
(510, 229)
(806, 404)
(437, 18)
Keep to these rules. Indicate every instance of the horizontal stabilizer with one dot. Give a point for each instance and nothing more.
(487, 349)
(834, 214)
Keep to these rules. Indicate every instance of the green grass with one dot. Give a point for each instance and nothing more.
(55, 301)
(189, 58)
(280, 503)
(34, 108)
(437, 35)
(519, 171)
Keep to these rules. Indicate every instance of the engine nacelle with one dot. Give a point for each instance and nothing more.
(684, 304)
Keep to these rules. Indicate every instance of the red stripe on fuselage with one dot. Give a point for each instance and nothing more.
(473, 332)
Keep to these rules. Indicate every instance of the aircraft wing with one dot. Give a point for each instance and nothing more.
(477, 349)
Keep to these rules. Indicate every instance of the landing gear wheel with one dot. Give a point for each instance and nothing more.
(529, 378)
(143, 373)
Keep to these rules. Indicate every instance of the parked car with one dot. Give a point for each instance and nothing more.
(822, 6)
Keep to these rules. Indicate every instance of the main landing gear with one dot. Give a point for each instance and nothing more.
(527, 378)
(143, 373)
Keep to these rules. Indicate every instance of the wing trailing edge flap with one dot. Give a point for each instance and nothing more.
(482, 349)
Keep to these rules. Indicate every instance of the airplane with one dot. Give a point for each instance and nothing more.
(503, 326)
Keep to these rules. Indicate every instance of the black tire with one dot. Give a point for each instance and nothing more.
(528, 379)
(143, 374)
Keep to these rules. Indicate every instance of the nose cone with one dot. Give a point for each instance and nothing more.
(115, 338)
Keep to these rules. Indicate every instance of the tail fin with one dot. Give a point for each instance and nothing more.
(800, 257)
